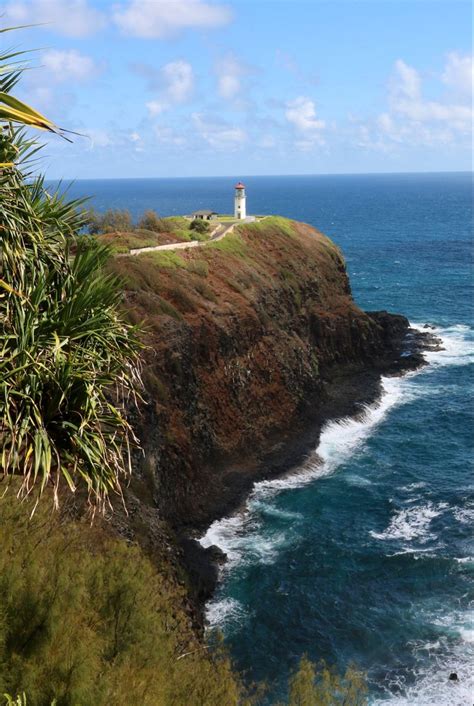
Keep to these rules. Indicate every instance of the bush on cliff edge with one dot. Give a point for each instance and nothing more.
(86, 619)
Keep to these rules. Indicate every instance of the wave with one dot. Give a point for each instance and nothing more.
(464, 515)
(226, 613)
(247, 538)
(432, 686)
(452, 652)
(457, 345)
(243, 537)
(412, 523)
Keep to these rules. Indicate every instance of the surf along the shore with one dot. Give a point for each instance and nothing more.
(273, 525)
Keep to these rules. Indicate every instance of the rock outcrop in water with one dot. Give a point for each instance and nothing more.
(252, 343)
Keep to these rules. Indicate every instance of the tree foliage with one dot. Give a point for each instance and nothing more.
(150, 220)
(322, 686)
(115, 220)
(85, 620)
(68, 360)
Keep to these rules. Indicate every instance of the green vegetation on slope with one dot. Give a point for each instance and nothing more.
(87, 620)
(312, 686)
(115, 227)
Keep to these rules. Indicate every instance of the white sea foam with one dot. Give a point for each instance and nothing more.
(243, 537)
(413, 486)
(452, 652)
(412, 523)
(246, 538)
(457, 346)
(225, 613)
(433, 687)
(464, 559)
(467, 634)
(464, 515)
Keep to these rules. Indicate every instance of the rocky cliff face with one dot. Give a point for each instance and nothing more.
(252, 342)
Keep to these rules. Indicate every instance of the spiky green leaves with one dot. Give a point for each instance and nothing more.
(68, 361)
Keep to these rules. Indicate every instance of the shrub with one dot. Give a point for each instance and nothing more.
(310, 686)
(176, 223)
(199, 267)
(200, 226)
(182, 299)
(205, 290)
(115, 219)
(86, 619)
(151, 221)
(92, 221)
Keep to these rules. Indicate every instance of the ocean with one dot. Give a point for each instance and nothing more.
(365, 554)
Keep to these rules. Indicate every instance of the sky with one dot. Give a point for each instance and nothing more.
(175, 88)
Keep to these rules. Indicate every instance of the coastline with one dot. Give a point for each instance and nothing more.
(347, 396)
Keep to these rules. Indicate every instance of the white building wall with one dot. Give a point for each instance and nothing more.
(240, 204)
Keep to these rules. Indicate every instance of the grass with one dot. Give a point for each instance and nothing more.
(177, 222)
(199, 267)
(184, 234)
(285, 225)
(124, 242)
(232, 244)
(166, 258)
(205, 290)
(182, 299)
(178, 230)
(169, 310)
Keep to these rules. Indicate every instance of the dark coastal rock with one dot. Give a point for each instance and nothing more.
(202, 567)
(249, 352)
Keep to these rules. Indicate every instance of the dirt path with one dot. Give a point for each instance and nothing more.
(217, 234)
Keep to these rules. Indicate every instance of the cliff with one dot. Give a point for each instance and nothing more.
(252, 343)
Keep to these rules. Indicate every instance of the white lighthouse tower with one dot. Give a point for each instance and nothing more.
(239, 201)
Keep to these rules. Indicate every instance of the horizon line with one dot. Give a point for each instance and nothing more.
(252, 176)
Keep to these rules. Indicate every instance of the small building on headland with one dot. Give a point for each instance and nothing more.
(204, 215)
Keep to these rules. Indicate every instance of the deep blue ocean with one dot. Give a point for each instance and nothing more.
(365, 554)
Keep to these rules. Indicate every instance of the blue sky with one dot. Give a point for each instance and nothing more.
(190, 87)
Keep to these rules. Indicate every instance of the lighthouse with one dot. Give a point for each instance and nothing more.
(239, 201)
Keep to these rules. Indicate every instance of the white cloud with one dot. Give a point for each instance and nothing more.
(301, 113)
(406, 100)
(160, 19)
(168, 136)
(405, 83)
(69, 64)
(98, 137)
(267, 142)
(229, 72)
(290, 64)
(136, 139)
(458, 74)
(156, 107)
(174, 83)
(411, 119)
(74, 18)
(179, 79)
(219, 135)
